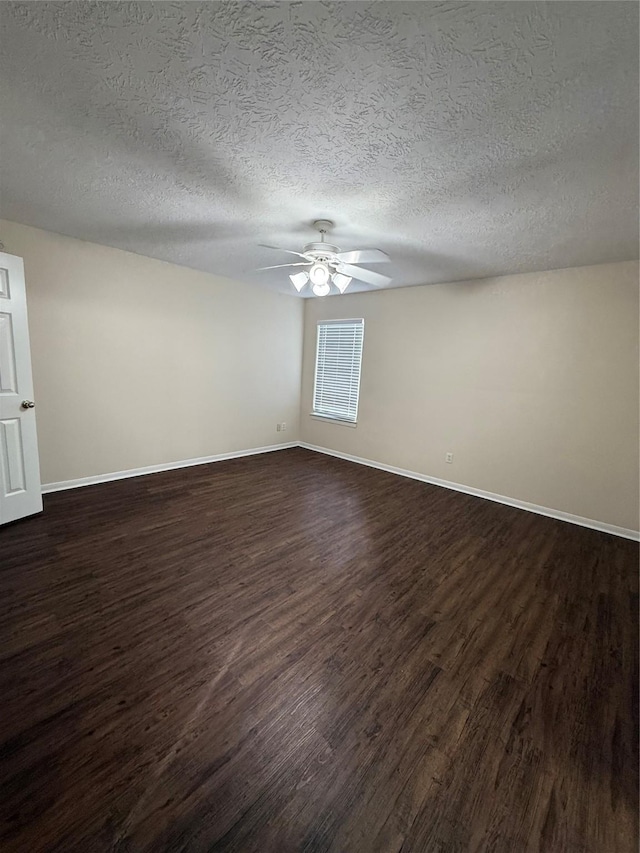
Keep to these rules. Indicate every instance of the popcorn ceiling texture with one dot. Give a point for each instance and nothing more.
(465, 139)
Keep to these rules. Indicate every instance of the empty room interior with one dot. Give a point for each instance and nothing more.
(319, 443)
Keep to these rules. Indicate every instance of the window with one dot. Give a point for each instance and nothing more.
(338, 360)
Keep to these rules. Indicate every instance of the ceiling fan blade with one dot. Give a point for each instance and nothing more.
(280, 249)
(364, 275)
(277, 266)
(364, 256)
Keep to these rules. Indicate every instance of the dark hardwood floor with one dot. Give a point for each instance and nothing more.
(294, 653)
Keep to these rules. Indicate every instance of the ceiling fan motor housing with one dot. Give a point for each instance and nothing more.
(321, 251)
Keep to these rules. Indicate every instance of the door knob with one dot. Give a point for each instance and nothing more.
(27, 404)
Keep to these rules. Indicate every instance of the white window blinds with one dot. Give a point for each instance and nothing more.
(338, 360)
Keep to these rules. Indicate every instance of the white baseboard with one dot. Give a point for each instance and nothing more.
(163, 466)
(424, 478)
(480, 493)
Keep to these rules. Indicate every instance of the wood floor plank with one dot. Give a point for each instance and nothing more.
(294, 653)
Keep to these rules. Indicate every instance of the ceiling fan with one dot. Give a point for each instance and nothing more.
(327, 266)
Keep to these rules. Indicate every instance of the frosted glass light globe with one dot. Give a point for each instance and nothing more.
(319, 274)
(299, 280)
(321, 289)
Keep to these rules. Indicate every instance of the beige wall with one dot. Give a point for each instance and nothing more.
(530, 380)
(138, 362)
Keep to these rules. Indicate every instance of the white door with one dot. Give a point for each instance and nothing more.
(20, 493)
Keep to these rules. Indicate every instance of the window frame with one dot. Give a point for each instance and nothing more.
(331, 417)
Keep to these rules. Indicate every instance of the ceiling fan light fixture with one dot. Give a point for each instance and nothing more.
(319, 274)
(341, 281)
(326, 266)
(298, 280)
(321, 289)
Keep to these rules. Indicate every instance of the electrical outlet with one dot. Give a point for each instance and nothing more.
(278, 427)
(448, 457)
(284, 427)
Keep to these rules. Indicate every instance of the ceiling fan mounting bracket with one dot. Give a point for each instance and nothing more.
(323, 225)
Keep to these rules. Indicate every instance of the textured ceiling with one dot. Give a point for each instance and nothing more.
(465, 139)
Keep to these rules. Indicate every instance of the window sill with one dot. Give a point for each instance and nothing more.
(330, 420)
